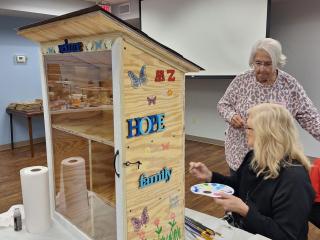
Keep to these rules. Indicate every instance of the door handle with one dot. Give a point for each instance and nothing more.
(114, 163)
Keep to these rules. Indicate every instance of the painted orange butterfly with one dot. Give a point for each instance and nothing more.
(165, 146)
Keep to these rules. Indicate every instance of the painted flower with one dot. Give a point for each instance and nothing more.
(142, 235)
(172, 216)
(156, 222)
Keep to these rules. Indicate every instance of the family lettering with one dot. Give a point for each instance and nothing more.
(160, 76)
(70, 47)
(164, 175)
(145, 125)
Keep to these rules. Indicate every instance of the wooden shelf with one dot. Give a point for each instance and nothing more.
(100, 89)
(59, 81)
(94, 219)
(107, 194)
(97, 129)
(86, 109)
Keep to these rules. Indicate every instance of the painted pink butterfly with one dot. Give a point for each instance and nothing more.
(151, 100)
(138, 223)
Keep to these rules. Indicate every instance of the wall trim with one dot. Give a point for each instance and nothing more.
(205, 140)
(221, 143)
(21, 143)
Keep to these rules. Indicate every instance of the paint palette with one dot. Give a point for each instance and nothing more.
(211, 189)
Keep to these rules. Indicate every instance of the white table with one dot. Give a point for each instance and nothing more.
(59, 232)
(55, 232)
(228, 232)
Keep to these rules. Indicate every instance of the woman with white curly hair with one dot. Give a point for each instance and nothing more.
(264, 82)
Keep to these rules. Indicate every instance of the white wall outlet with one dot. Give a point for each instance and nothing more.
(21, 59)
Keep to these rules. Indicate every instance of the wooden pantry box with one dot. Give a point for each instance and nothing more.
(114, 102)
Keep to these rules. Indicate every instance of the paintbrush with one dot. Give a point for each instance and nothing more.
(204, 233)
(201, 226)
(192, 232)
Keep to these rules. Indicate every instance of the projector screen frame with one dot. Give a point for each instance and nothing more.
(227, 77)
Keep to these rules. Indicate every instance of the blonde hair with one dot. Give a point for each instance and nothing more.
(276, 140)
(273, 48)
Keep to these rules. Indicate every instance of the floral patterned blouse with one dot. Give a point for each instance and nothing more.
(245, 91)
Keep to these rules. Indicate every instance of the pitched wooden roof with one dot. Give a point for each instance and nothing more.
(95, 21)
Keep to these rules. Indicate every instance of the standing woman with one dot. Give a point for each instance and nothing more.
(265, 82)
(273, 193)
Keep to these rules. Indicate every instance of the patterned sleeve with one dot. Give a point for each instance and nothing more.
(307, 114)
(226, 105)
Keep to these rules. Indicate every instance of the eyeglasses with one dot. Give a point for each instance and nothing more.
(258, 64)
(248, 128)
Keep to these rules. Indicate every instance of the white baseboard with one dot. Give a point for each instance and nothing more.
(22, 143)
(205, 140)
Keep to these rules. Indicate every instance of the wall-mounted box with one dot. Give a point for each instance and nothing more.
(20, 59)
(114, 115)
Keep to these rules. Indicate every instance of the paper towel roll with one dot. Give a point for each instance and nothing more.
(35, 194)
(73, 188)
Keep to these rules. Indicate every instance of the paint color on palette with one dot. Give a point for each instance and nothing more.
(211, 189)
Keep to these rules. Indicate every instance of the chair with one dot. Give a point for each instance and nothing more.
(314, 217)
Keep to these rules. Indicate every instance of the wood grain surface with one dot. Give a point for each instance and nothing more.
(155, 151)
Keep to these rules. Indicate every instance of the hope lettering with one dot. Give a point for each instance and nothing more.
(153, 123)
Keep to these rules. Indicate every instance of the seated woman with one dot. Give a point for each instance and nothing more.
(273, 194)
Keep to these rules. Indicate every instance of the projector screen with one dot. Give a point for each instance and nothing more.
(215, 34)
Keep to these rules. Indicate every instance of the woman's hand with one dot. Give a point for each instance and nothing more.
(231, 203)
(200, 171)
(237, 121)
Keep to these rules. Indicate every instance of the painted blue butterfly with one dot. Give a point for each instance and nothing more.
(138, 223)
(98, 44)
(51, 50)
(138, 81)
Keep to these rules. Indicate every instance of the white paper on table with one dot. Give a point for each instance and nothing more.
(6, 218)
(258, 237)
(227, 232)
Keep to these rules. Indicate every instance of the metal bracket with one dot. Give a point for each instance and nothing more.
(128, 163)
